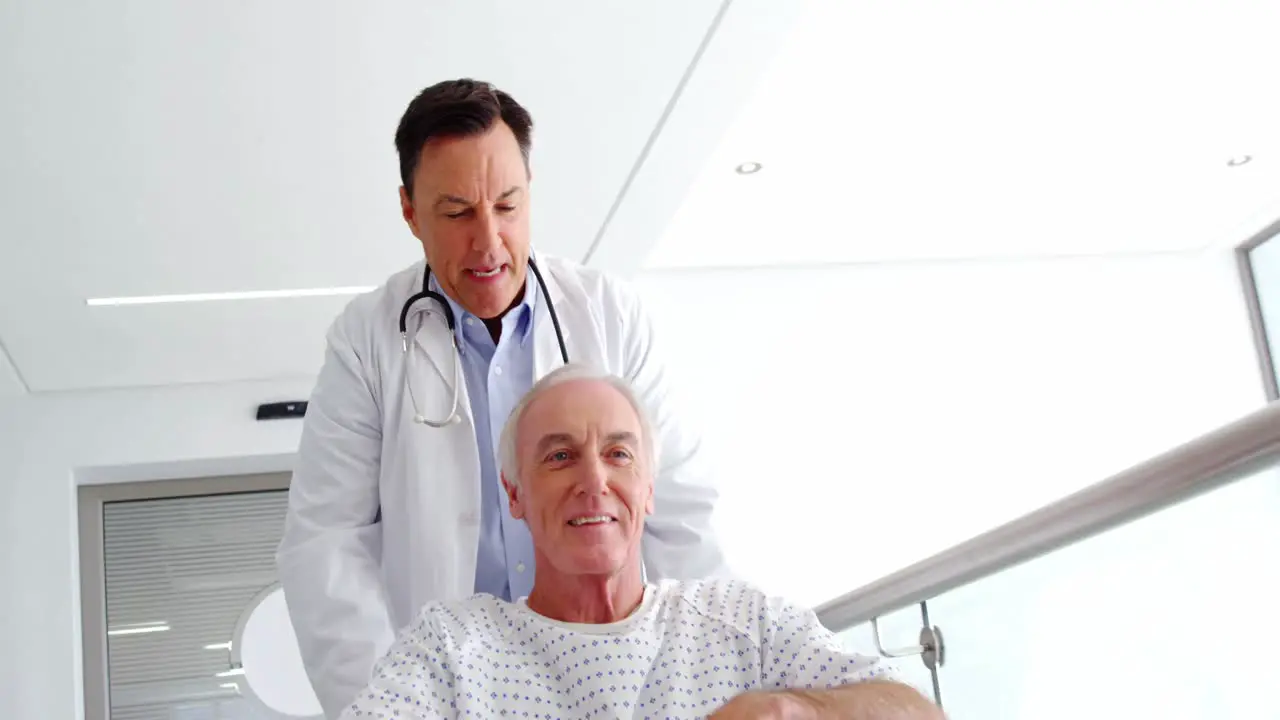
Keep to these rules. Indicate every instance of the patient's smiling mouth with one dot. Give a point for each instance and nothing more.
(592, 520)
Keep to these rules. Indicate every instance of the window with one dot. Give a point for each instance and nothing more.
(179, 581)
(1259, 261)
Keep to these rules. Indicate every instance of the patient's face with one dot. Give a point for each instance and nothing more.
(585, 482)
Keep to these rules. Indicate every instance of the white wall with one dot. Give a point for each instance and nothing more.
(48, 443)
(868, 416)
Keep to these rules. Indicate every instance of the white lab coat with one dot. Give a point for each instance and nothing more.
(352, 582)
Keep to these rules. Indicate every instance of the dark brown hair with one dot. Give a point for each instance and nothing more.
(457, 108)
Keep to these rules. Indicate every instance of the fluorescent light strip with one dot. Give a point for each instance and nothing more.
(213, 297)
(231, 673)
(219, 646)
(139, 629)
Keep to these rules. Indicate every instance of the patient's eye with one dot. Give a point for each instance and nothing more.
(620, 454)
(559, 456)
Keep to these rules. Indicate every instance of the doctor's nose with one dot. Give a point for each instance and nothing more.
(487, 233)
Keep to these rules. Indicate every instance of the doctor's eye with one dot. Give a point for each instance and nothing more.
(505, 209)
(458, 214)
(620, 454)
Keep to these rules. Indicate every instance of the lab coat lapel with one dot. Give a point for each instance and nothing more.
(436, 374)
(436, 344)
(546, 350)
(448, 465)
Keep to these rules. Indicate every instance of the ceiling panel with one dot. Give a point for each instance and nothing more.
(746, 37)
(165, 148)
(929, 129)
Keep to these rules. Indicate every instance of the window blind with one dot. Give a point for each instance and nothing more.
(179, 573)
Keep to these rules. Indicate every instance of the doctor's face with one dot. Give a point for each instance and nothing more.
(470, 209)
(585, 485)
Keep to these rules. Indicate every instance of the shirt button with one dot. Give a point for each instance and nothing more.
(519, 567)
(471, 321)
(497, 369)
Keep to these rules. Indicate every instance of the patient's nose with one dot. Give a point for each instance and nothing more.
(593, 477)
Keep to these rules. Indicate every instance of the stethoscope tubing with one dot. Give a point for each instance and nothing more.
(427, 294)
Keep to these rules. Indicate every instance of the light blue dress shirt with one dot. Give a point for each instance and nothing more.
(497, 376)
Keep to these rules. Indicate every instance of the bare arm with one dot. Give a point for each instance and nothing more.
(873, 700)
(868, 700)
(807, 675)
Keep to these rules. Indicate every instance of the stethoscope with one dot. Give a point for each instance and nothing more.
(427, 294)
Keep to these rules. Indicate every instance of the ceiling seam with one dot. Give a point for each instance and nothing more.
(657, 129)
(4, 353)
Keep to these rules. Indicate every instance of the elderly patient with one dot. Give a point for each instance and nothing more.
(592, 640)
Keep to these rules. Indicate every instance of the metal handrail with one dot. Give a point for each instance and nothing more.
(1221, 457)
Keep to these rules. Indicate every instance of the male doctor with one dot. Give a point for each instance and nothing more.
(386, 512)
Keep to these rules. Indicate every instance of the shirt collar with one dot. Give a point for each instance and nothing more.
(519, 320)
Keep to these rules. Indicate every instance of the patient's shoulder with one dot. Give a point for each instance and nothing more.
(719, 595)
(731, 602)
(457, 621)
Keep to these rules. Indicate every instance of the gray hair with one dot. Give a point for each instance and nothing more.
(507, 457)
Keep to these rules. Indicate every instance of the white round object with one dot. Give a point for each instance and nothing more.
(267, 650)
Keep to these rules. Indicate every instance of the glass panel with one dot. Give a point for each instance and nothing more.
(1169, 617)
(1264, 260)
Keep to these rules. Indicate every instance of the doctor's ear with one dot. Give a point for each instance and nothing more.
(513, 498)
(407, 211)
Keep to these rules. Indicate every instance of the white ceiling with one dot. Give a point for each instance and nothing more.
(184, 147)
(933, 129)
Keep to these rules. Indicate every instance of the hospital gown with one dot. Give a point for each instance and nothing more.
(688, 649)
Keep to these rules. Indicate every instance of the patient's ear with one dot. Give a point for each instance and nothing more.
(514, 499)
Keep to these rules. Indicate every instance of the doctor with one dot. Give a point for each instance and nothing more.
(396, 499)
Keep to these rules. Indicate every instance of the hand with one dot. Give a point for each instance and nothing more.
(766, 706)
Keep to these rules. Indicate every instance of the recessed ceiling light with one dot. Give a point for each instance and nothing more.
(1239, 160)
(748, 168)
(210, 297)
